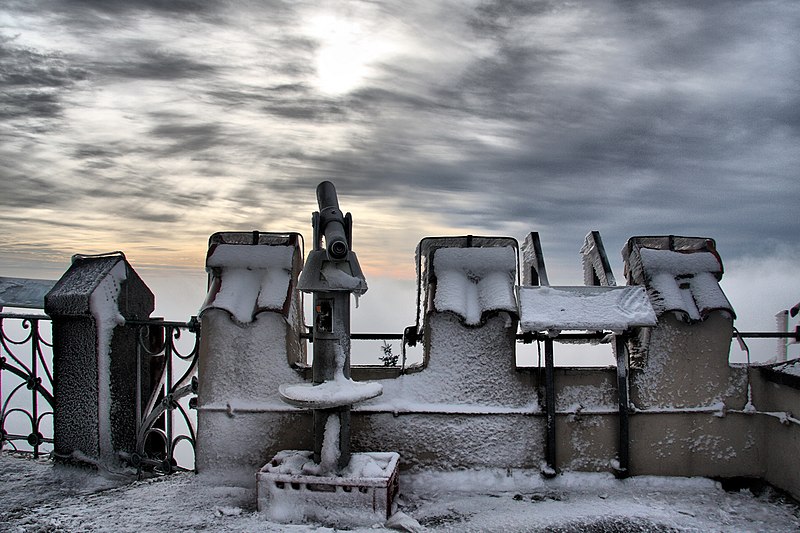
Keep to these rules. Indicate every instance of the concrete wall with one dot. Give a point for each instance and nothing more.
(776, 420)
(472, 408)
(241, 421)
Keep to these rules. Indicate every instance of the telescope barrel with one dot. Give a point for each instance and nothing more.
(332, 222)
(326, 196)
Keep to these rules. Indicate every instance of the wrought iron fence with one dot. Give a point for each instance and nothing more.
(26, 383)
(167, 388)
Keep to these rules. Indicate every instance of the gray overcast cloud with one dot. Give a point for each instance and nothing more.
(148, 125)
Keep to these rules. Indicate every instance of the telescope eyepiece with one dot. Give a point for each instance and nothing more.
(337, 250)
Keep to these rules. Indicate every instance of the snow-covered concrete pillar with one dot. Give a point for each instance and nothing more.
(94, 357)
(687, 398)
(683, 362)
(470, 316)
(251, 323)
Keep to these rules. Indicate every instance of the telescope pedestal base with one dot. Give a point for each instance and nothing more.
(361, 496)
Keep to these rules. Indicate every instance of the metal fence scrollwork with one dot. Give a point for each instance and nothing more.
(167, 385)
(26, 384)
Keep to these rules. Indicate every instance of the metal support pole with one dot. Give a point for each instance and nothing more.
(621, 352)
(331, 337)
(550, 406)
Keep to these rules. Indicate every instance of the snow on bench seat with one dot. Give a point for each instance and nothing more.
(584, 308)
(473, 281)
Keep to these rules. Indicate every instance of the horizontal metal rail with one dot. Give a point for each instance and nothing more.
(530, 337)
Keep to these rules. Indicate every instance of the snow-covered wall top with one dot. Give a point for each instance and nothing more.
(578, 308)
(683, 281)
(473, 281)
(71, 295)
(249, 279)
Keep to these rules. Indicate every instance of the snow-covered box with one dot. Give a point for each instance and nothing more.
(473, 281)
(361, 496)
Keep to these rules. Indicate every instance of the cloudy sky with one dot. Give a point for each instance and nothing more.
(147, 125)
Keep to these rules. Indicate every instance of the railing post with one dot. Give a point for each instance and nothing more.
(622, 469)
(550, 406)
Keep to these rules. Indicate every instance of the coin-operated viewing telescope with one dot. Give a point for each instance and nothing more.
(359, 486)
(331, 274)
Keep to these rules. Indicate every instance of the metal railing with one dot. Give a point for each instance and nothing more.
(26, 384)
(167, 389)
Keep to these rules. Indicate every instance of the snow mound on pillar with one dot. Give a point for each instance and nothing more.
(251, 279)
(684, 282)
(473, 281)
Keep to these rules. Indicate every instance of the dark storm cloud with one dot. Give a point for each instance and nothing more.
(155, 64)
(670, 154)
(21, 190)
(32, 83)
(77, 8)
(186, 138)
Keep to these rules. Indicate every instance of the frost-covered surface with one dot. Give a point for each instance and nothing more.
(240, 370)
(338, 279)
(472, 281)
(336, 393)
(252, 278)
(250, 257)
(679, 263)
(35, 496)
(683, 282)
(472, 368)
(686, 365)
(791, 367)
(592, 308)
(289, 488)
(329, 394)
(592, 259)
(104, 306)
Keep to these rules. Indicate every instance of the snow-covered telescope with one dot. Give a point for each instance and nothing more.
(332, 224)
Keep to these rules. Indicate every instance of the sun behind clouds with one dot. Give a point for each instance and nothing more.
(347, 49)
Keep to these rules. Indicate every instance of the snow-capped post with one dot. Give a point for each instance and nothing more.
(251, 343)
(94, 357)
(331, 274)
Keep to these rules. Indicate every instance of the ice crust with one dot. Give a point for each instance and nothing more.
(679, 263)
(684, 282)
(472, 281)
(104, 306)
(252, 278)
(329, 394)
(578, 308)
(360, 496)
(250, 257)
(338, 392)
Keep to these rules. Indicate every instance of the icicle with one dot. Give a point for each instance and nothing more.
(749, 407)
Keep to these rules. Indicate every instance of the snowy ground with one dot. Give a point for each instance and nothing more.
(36, 496)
